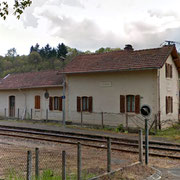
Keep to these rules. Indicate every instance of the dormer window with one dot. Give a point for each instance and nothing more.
(168, 70)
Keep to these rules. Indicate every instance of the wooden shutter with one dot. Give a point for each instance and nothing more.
(137, 104)
(60, 103)
(122, 103)
(170, 67)
(37, 102)
(166, 105)
(171, 104)
(78, 104)
(166, 70)
(90, 103)
(50, 103)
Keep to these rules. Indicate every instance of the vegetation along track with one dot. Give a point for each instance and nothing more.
(157, 148)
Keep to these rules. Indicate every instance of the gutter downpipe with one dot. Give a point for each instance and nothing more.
(158, 94)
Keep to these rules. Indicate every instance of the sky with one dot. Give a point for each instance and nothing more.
(91, 24)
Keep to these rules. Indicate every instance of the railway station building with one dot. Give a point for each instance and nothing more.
(32, 95)
(113, 86)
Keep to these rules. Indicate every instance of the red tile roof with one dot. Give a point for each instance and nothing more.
(121, 60)
(32, 80)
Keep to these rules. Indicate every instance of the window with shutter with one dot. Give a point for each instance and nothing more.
(122, 104)
(168, 70)
(84, 103)
(37, 102)
(169, 104)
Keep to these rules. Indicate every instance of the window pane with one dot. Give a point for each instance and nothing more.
(130, 103)
(85, 103)
(133, 103)
(56, 103)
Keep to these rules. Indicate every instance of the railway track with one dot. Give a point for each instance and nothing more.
(158, 149)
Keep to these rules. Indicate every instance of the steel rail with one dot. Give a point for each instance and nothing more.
(88, 145)
(72, 134)
(88, 139)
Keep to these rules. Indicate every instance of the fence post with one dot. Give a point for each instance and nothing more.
(156, 123)
(159, 121)
(63, 165)
(31, 113)
(81, 118)
(37, 163)
(126, 120)
(140, 146)
(5, 112)
(79, 161)
(108, 154)
(18, 113)
(102, 118)
(25, 112)
(46, 114)
(29, 165)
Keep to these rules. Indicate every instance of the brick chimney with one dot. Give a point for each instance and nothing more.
(128, 47)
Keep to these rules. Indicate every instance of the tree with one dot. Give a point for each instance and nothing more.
(12, 52)
(47, 50)
(107, 49)
(61, 50)
(34, 58)
(18, 8)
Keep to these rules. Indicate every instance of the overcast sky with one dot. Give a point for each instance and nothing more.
(91, 24)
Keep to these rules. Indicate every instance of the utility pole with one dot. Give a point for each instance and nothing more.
(64, 93)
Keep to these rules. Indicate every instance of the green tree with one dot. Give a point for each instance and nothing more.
(61, 50)
(34, 58)
(18, 8)
(12, 52)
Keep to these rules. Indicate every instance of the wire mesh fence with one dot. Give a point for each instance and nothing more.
(47, 163)
(101, 119)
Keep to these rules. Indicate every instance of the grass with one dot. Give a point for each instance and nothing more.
(172, 133)
(46, 175)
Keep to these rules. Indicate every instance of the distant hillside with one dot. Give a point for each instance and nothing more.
(41, 58)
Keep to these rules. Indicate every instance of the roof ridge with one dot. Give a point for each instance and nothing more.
(139, 50)
(30, 72)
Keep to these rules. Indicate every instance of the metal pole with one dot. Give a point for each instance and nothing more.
(79, 161)
(63, 101)
(46, 114)
(37, 163)
(18, 113)
(29, 165)
(108, 155)
(126, 120)
(102, 117)
(63, 165)
(5, 112)
(146, 142)
(81, 118)
(31, 114)
(140, 146)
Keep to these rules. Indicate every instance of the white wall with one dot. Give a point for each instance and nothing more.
(169, 87)
(106, 89)
(24, 99)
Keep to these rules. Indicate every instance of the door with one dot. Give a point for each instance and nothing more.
(12, 106)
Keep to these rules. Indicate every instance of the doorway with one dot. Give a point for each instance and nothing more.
(12, 106)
